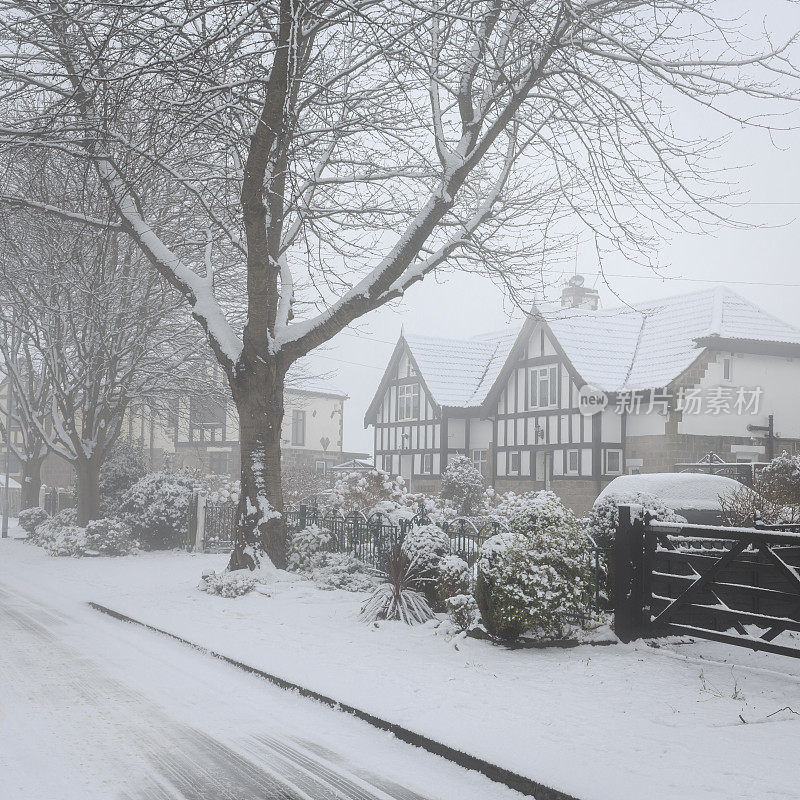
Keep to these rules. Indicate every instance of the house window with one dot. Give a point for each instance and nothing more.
(408, 401)
(427, 463)
(298, 428)
(544, 387)
(573, 462)
(321, 467)
(479, 459)
(613, 462)
(727, 368)
(513, 468)
(218, 463)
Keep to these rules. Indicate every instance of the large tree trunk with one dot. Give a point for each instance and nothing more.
(88, 490)
(31, 482)
(260, 527)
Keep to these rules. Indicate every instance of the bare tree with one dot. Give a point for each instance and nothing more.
(317, 158)
(99, 333)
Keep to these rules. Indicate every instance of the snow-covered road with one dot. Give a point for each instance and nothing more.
(94, 708)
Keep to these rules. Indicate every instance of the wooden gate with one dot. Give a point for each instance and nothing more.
(735, 585)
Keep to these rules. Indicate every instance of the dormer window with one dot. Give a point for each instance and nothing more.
(408, 402)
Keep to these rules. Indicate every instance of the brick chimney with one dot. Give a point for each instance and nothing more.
(576, 295)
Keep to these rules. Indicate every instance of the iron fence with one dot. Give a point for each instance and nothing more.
(369, 538)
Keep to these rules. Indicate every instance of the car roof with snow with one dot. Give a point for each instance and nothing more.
(678, 490)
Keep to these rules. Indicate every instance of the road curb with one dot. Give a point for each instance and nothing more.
(512, 780)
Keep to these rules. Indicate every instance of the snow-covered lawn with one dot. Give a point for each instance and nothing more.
(693, 720)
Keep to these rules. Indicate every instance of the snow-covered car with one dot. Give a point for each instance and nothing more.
(692, 495)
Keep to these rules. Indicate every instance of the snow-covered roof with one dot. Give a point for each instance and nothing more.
(642, 347)
(460, 372)
(652, 344)
(678, 490)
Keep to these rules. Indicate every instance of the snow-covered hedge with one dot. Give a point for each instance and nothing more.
(110, 537)
(361, 491)
(64, 540)
(424, 546)
(453, 577)
(228, 584)
(604, 516)
(780, 480)
(124, 466)
(307, 548)
(536, 577)
(462, 611)
(31, 518)
(342, 571)
(309, 555)
(463, 486)
(47, 529)
(157, 509)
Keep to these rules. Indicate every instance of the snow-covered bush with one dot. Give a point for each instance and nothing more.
(780, 480)
(362, 491)
(228, 584)
(31, 518)
(110, 537)
(424, 546)
(306, 545)
(395, 597)
(462, 611)
(48, 528)
(604, 516)
(536, 577)
(64, 540)
(342, 571)
(452, 578)
(463, 486)
(157, 509)
(124, 466)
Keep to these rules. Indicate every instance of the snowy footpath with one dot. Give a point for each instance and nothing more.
(683, 720)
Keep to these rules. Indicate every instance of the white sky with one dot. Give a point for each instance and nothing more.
(760, 262)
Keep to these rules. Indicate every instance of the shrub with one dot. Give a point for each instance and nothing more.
(743, 506)
(361, 491)
(780, 480)
(110, 537)
(424, 546)
(306, 546)
(157, 509)
(462, 611)
(124, 466)
(31, 518)
(228, 584)
(453, 577)
(535, 577)
(64, 540)
(603, 520)
(463, 486)
(395, 597)
(342, 571)
(51, 525)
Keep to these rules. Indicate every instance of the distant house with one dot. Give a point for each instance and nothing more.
(578, 395)
(202, 431)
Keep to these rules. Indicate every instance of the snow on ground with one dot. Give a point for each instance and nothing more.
(601, 723)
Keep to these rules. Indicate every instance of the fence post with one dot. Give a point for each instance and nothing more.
(42, 495)
(303, 511)
(628, 582)
(200, 529)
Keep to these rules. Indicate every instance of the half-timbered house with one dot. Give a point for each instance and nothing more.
(577, 395)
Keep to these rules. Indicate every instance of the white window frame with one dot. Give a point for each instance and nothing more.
(576, 470)
(298, 427)
(408, 395)
(427, 464)
(511, 470)
(536, 377)
(608, 471)
(727, 368)
(480, 460)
